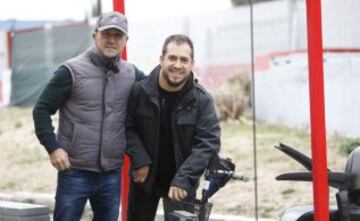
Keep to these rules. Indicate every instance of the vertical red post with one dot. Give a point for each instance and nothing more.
(317, 111)
(119, 5)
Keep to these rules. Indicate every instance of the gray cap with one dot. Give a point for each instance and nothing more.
(112, 20)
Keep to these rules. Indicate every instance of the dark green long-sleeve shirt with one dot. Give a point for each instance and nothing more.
(55, 94)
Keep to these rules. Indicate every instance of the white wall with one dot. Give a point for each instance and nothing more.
(3, 51)
(282, 93)
(4, 71)
(6, 87)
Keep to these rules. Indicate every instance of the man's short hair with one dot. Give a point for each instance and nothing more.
(178, 39)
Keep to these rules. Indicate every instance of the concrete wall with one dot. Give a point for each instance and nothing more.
(282, 92)
(4, 70)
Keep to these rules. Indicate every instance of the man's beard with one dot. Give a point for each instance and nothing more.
(173, 83)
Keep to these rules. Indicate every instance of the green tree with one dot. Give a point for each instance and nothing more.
(245, 2)
(96, 8)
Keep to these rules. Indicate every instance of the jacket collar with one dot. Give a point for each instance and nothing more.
(151, 84)
(102, 61)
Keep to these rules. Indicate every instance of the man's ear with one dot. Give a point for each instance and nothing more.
(94, 35)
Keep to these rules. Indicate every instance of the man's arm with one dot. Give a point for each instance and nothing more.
(56, 92)
(140, 159)
(206, 143)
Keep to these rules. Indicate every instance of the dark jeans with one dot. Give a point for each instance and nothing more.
(142, 206)
(75, 187)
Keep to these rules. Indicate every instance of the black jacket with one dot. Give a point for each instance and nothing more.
(195, 126)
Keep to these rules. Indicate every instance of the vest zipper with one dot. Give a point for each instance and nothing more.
(102, 122)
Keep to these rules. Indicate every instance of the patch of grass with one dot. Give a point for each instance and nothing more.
(31, 157)
(18, 125)
(234, 128)
(9, 185)
(288, 191)
(266, 212)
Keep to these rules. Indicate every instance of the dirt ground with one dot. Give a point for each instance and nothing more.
(25, 165)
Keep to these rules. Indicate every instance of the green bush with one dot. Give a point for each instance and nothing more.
(349, 145)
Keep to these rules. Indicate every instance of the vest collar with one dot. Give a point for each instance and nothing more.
(100, 60)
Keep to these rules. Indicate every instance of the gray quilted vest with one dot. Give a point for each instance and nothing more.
(92, 120)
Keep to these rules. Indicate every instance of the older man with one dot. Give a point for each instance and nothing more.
(91, 93)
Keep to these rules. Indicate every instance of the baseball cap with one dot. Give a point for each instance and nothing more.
(112, 20)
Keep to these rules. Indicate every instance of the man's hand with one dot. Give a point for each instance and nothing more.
(60, 159)
(141, 174)
(176, 193)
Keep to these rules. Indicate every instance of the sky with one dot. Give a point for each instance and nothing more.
(78, 9)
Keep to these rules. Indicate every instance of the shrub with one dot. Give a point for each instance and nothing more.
(232, 99)
(348, 146)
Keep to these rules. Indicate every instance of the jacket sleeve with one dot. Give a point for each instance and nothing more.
(135, 148)
(206, 144)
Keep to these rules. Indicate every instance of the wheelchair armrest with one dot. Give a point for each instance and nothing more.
(296, 155)
(337, 180)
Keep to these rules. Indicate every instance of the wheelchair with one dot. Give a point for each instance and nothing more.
(347, 183)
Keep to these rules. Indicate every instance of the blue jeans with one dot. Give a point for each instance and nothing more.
(75, 187)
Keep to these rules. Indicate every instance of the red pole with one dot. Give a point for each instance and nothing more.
(119, 5)
(317, 111)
